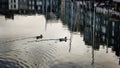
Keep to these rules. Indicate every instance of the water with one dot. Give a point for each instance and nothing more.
(20, 49)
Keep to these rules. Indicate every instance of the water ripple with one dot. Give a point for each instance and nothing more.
(12, 63)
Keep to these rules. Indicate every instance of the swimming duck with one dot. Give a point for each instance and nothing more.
(39, 37)
(63, 39)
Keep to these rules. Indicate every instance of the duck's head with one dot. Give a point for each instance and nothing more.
(66, 38)
(41, 35)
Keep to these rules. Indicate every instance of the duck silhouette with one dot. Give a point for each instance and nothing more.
(63, 39)
(39, 37)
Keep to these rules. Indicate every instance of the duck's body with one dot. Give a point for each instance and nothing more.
(63, 39)
(39, 37)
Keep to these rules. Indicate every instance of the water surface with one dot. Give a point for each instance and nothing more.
(20, 49)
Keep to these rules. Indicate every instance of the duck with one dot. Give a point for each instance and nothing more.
(63, 39)
(39, 37)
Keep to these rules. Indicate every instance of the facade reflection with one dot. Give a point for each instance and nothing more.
(79, 19)
(29, 7)
(106, 30)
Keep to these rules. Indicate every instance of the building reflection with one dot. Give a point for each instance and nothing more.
(106, 30)
(79, 19)
(29, 7)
